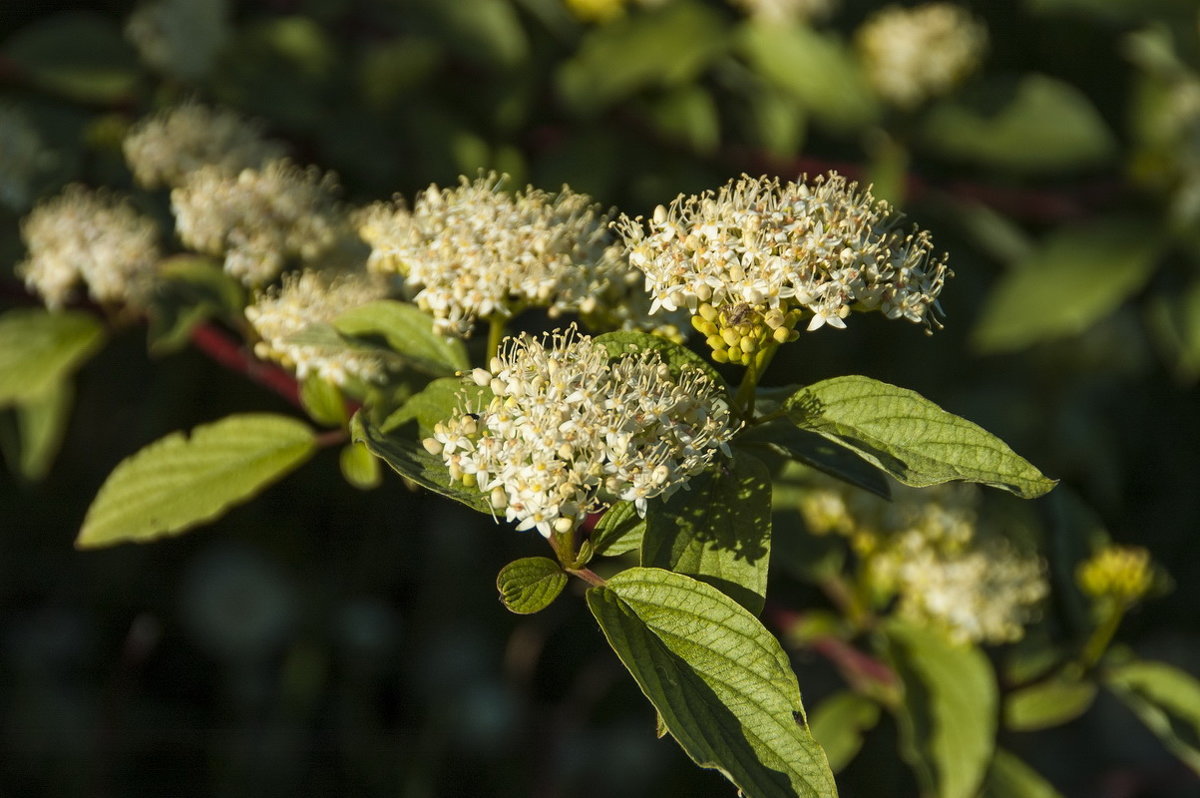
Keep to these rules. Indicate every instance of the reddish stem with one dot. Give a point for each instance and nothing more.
(230, 353)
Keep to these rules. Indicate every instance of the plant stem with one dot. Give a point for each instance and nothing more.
(744, 399)
(495, 336)
(1098, 643)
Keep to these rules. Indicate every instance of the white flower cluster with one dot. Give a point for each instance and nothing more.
(567, 431)
(925, 548)
(163, 149)
(312, 298)
(476, 251)
(181, 38)
(22, 158)
(91, 236)
(257, 219)
(825, 248)
(785, 11)
(912, 54)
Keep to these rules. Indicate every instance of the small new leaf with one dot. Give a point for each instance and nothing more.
(530, 584)
(179, 482)
(721, 683)
(910, 437)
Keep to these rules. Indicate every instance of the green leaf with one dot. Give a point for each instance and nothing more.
(359, 467)
(409, 459)
(323, 401)
(530, 584)
(720, 682)
(435, 402)
(687, 115)
(660, 47)
(783, 438)
(40, 424)
(619, 530)
(1048, 125)
(718, 530)
(812, 65)
(188, 290)
(677, 357)
(179, 482)
(39, 349)
(910, 437)
(948, 716)
(840, 722)
(485, 31)
(409, 332)
(1167, 700)
(1009, 777)
(1075, 278)
(1047, 704)
(79, 54)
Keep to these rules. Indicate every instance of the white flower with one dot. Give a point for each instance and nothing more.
(759, 249)
(568, 431)
(258, 219)
(925, 548)
(166, 147)
(93, 237)
(476, 251)
(912, 54)
(307, 299)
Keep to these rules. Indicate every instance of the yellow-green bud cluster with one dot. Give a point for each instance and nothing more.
(737, 333)
(1123, 573)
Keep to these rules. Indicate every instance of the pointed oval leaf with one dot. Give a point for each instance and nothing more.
(1049, 703)
(39, 348)
(1075, 278)
(718, 530)
(409, 459)
(676, 357)
(409, 332)
(41, 423)
(910, 437)
(181, 481)
(619, 530)
(1009, 777)
(530, 584)
(840, 722)
(720, 681)
(948, 716)
(1167, 700)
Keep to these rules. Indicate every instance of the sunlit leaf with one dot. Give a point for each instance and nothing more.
(39, 349)
(1009, 777)
(181, 481)
(1046, 704)
(618, 531)
(359, 466)
(720, 682)
(409, 332)
(910, 437)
